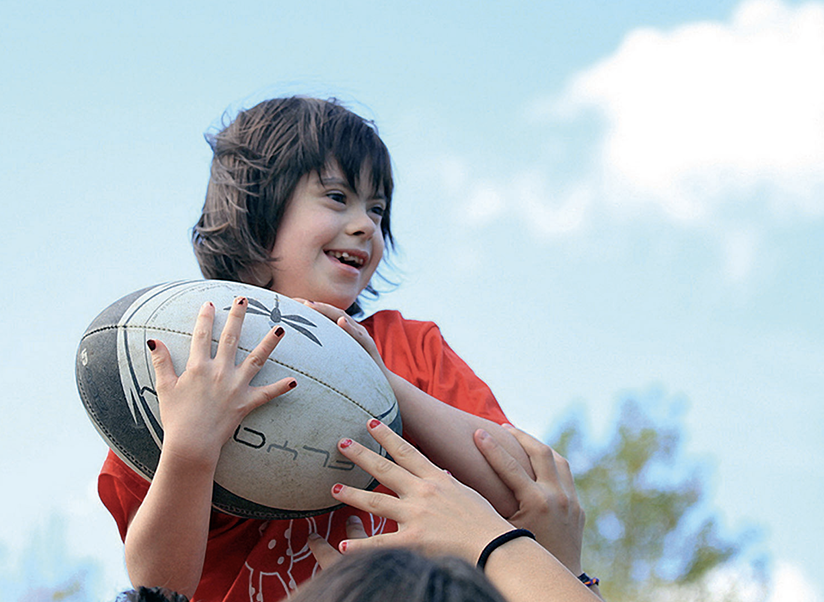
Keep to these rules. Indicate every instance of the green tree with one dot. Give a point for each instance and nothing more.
(650, 533)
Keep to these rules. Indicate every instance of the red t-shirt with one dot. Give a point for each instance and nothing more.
(263, 561)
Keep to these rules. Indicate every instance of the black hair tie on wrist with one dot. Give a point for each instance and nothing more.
(499, 541)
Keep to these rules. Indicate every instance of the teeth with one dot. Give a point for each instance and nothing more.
(344, 256)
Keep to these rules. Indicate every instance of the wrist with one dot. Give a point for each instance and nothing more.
(181, 457)
(500, 541)
(575, 568)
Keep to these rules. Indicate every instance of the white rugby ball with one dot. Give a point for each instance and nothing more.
(282, 460)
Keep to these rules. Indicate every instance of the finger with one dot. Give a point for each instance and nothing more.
(266, 393)
(379, 504)
(227, 347)
(257, 358)
(330, 311)
(403, 453)
(351, 327)
(549, 466)
(200, 349)
(541, 456)
(323, 552)
(162, 362)
(395, 540)
(355, 528)
(505, 466)
(383, 469)
(565, 475)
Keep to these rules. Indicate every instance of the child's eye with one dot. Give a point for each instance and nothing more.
(338, 197)
(378, 210)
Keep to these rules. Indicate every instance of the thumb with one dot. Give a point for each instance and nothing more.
(324, 553)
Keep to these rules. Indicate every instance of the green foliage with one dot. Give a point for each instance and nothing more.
(649, 534)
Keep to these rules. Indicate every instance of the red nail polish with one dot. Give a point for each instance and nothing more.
(343, 546)
(345, 443)
(151, 344)
(337, 488)
(279, 332)
(374, 423)
(293, 384)
(241, 301)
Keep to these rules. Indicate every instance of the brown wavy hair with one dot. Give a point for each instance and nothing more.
(398, 575)
(258, 160)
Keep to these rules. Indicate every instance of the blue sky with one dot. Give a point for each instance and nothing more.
(591, 199)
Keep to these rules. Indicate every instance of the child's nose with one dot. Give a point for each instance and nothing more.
(361, 223)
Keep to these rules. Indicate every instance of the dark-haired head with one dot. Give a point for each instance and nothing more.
(398, 575)
(151, 594)
(259, 158)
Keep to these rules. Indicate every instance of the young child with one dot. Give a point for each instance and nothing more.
(298, 201)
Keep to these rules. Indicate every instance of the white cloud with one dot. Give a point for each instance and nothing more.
(714, 125)
(526, 197)
(700, 123)
(789, 584)
(713, 111)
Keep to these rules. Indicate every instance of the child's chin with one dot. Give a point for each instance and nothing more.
(341, 302)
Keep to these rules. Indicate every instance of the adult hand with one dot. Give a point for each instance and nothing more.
(548, 504)
(436, 514)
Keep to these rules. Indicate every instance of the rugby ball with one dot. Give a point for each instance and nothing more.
(282, 460)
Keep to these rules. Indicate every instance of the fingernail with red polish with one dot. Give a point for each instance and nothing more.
(337, 488)
(293, 384)
(151, 344)
(345, 443)
(374, 423)
(241, 301)
(343, 546)
(279, 332)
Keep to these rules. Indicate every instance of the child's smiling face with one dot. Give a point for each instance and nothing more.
(329, 242)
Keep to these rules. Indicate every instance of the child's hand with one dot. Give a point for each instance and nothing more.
(201, 408)
(352, 327)
(435, 513)
(548, 504)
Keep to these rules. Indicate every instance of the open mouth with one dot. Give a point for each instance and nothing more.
(350, 259)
